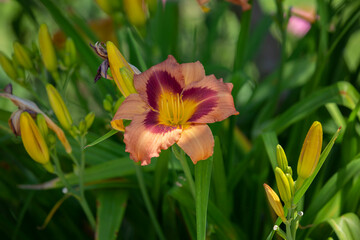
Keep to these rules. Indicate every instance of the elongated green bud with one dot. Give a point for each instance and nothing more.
(22, 56)
(283, 186)
(89, 119)
(274, 201)
(291, 184)
(41, 123)
(59, 107)
(8, 66)
(47, 49)
(310, 152)
(281, 158)
(70, 53)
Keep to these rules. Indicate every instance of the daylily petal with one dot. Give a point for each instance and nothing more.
(14, 122)
(145, 138)
(192, 72)
(197, 141)
(213, 98)
(163, 77)
(132, 105)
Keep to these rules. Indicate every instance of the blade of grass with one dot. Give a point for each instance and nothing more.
(111, 206)
(202, 186)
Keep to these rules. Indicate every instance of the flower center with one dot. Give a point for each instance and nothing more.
(173, 110)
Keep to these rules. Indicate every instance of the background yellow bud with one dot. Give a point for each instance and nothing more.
(310, 152)
(281, 158)
(291, 184)
(59, 107)
(32, 139)
(47, 49)
(134, 12)
(283, 186)
(109, 6)
(22, 56)
(8, 66)
(274, 201)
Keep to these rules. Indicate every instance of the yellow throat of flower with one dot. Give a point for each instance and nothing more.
(173, 111)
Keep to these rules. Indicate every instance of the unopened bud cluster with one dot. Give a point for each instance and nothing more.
(308, 160)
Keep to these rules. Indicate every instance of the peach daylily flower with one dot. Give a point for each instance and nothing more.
(173, 104)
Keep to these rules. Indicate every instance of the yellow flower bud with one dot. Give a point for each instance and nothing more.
(281, 158)
(32, 139)
(59, 107)
(109, 6)
(70, 53)
(274, 201)
(310, 152)
(117, 62)
(8, 67)
(22, 56)
(134, 12)
(47, 49)
(41, 123)
(283, 186)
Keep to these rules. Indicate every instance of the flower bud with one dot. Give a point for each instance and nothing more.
(109, 6)
(8, 67)
(274, 201)
(49, 167)
(310, 152)
(283, 186)
(117, 62)
(82, 127)
(291, 184)
(89, 119)
(41, 123)
(59, 107)
(134, 12)
(107, 105)
(47, 49)
(32, 139)
(281, 158)
(22, 56)
(70, 53)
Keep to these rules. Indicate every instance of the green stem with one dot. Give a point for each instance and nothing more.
(83, 201)
(60, 173)
(180, 155)
(288, 225)
(149, 207)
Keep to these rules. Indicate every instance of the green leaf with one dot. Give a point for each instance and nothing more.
(202, 186)
(342, 93)
(219, 180)
(308, 181)
(102, 138)
(111, 205)
(270, 141)
(335, 183)
(346, 227)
